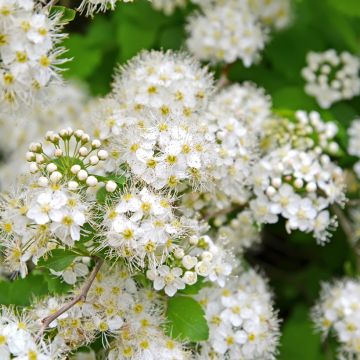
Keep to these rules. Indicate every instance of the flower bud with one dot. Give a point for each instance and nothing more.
(82, 175)
(33, 168)
(110, 186)
(55, 177)
(30, 156)
(202, 268)
(83, 151)
(189, 262)
(75, 169)
(73, 185)
(95, 144)
(51, 167)
(85, 138)
(78, 134)
(311, 187)
(190, 277)
(91, 181)
(58, 152)
(298, 183)
(94, 160)
(179, 253)
(103, 154)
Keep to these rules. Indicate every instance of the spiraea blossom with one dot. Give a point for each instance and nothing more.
(242, 322)
(226, 32)
(298, 180)
(18, 334)
(52, 207)
(338, 313)
(164, 82)
(30, 123)
(127, 317)
(29, 54)
(332, 76)
(354, 143)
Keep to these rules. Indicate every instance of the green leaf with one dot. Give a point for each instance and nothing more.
(298, 329)
(133, 38)
(186, 319)
(294, 98)
(58, 259)
(347, 7)
(55, 285)
(85, 55)
(21, 292)
(66, 15)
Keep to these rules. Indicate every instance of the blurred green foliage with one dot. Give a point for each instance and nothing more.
(295, 264)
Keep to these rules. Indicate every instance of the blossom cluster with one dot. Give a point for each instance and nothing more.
(331, 77)
(225, 31)
(243, 324)
(298, 180)
(169, 186)
(337, 312)
(29, 54)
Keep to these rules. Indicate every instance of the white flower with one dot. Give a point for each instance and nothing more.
(45, 205)
(168, 279)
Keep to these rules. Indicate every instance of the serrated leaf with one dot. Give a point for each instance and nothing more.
(186, 319)
(58, 259)
(66, 15)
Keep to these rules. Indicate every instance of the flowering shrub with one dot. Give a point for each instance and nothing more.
(177, 209)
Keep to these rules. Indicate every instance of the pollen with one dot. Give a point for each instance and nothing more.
(152, 90)
(21, 56)
(67, 220)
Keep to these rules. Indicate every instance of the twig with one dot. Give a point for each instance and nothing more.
(344, 222)
(81, 297)
(224, 79)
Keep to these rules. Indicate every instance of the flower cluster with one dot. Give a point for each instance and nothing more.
(331, 77)
(140, 227)
(127, 318)
(52, 208)
(163, 82)
(243, 324)
(30, 123)
(197, 258)
(226, 32)
(18, 334)
(354, 143)
(28, 51)
(338, 312)
(298, 180)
